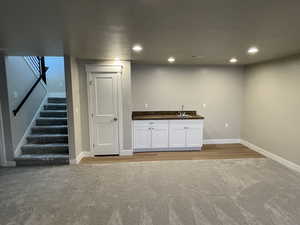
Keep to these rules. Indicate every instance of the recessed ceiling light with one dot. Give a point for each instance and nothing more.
(253, 50)
(233, 60)
(137, 48)
(171, 59)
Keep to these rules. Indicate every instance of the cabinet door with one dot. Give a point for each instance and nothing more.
(160, 137)
(177, 137)
(142, 137)
(193, 137)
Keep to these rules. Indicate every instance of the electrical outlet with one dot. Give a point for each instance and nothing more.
(146, 106)
(204, 105)
(226, 125)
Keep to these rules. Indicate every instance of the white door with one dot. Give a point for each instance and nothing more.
(177, 136)
(160, 136)
(142, 137)
(194, 137)
(104, 107)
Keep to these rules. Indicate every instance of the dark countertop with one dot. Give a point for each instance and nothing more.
(165, 115)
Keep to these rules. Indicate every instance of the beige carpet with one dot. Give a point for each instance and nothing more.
(212, 192)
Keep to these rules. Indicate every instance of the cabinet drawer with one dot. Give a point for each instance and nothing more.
(151, 122)
(186, 123)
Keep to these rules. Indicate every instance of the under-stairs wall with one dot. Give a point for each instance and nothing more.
(20, 79)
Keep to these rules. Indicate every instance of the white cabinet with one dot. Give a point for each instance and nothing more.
(160, 136)
(186, 133)
(142, 137)
(177, 137)
(167, 134)
(193, 137)
(151, 134)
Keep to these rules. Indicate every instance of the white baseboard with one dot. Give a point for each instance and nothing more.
(82, 155)
(125, 152)
(17, 151)
(73, 161)
(270, 155)
(221, 141)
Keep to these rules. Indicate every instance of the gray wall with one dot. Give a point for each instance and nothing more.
(165, 87)
(5, 110)
(271, 107)
(20, 79)
(55, 75)
(74, 115)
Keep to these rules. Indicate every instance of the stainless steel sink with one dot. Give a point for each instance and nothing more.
(184, 116)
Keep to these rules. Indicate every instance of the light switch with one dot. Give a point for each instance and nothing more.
(226, 125)
(146, 106)
(204, 105)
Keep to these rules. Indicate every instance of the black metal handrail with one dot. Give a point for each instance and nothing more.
(38, 64)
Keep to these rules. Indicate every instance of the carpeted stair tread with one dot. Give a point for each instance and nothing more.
(51, 121)
(50, 135)
(53, 113)
(51, 129)
(47, 138)
(56, 148)
(42, 160)
(57, 100)
(43, 156)
(55, 106)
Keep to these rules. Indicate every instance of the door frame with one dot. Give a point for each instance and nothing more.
(116, 69)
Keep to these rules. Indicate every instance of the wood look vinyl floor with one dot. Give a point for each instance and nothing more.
(223, 151)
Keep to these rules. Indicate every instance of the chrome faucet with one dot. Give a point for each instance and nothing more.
(182, 113)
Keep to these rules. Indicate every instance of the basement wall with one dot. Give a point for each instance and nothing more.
(271, 107)
(216, 92)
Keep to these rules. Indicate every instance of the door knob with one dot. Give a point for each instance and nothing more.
(115, 119)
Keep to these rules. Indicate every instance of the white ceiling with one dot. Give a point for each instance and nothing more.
(216, 30)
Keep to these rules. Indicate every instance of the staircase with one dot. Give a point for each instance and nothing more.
(48, 142)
